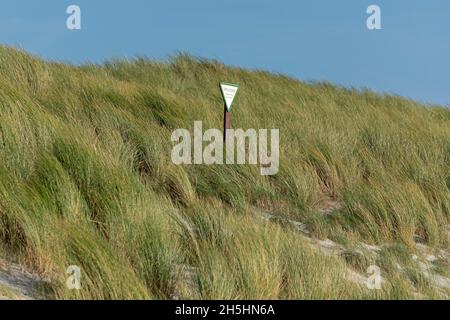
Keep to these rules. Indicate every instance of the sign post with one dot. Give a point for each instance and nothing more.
(229, 91)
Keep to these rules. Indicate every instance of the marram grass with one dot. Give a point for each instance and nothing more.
(86, 179)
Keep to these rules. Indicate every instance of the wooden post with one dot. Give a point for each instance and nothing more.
(226, 123)
(228, 93)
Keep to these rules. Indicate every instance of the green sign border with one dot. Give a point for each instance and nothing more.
(223, 95)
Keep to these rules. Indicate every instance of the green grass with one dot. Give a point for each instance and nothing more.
(86, 179)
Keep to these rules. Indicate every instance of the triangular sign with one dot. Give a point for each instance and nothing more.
(228, 93)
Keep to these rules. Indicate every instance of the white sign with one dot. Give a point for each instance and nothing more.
(228, 92)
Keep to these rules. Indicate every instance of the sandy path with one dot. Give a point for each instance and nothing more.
(17, 283)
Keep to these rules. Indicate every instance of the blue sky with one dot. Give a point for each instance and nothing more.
(309, 40)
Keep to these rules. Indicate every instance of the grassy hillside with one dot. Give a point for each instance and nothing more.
(86, 179)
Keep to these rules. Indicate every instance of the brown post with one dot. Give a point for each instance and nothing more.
(226, 123)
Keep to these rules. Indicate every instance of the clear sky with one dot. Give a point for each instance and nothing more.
(309, 40)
